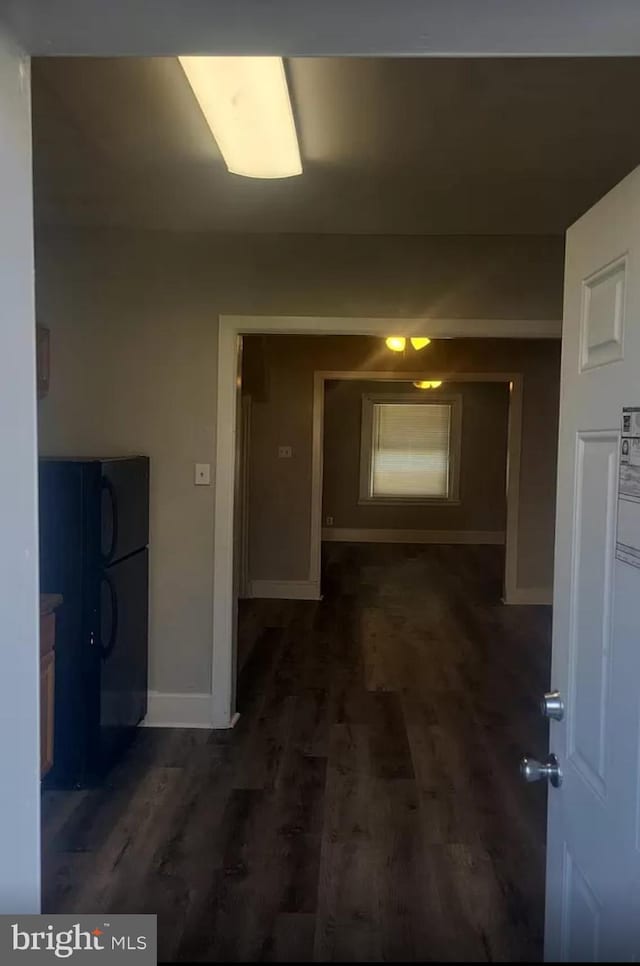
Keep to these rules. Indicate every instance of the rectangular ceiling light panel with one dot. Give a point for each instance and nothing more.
(245, 101)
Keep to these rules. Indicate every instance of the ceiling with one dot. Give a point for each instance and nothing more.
(452, 28)
(389, 146)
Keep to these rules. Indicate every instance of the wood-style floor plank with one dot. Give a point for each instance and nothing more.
(367, 806)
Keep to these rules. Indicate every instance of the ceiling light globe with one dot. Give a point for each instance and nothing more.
(396, 343)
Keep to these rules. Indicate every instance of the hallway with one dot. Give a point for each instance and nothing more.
(366, 807)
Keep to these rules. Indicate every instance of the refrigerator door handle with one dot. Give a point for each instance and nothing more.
(107, 648)
(108, 486)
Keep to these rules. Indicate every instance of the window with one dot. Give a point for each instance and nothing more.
(410, 449)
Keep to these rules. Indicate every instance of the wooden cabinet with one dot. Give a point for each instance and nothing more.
(48, 605)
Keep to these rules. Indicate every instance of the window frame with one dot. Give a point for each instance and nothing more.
(369, 400)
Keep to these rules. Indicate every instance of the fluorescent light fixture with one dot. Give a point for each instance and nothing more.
(245, 101)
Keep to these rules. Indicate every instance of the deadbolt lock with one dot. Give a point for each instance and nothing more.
(552, 705)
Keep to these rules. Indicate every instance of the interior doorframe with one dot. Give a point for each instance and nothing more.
(243, 542)
(512, 594)
(62, 28)
(231, 328)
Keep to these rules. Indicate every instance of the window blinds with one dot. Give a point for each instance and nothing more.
(410, 450)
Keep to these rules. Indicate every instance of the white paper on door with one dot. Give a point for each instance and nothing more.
(628, 535)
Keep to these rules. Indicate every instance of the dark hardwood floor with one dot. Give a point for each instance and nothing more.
(366, 807)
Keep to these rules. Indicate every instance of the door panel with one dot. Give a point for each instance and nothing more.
(590, 632)
(593, 860)
(582, 934)
(602, 319)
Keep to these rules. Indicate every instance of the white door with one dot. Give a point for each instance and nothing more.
(593, 852)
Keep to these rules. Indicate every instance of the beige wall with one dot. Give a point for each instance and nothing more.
(483, 457)
(133, 349)
(280, 489)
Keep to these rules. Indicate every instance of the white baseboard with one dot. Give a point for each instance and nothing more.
(347, 535)
(286, 589)
(529, 595)
(179, 710)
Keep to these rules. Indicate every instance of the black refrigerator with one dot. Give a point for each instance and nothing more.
(94, 535)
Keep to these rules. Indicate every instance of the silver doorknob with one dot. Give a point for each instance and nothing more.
(552, 705)
(535, 771)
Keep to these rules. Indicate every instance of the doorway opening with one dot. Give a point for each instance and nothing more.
(284, 567)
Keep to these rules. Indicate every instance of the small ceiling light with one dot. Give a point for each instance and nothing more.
(245, 102)
(428, 383)
(396, 343)
(420, 343)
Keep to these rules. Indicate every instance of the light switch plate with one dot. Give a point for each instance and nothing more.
(202, 474)
(285, 452)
